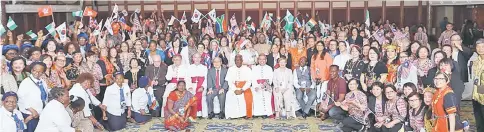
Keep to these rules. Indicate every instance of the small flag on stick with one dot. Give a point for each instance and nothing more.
(51, 28)
(32, 35)
(45, 11)
(11, 24)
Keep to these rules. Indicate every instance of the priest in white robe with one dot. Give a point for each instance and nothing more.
(239, 96)
(176, 72)
(198, 85)
(261, 86)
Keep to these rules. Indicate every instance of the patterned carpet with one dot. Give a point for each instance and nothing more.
(268, 125)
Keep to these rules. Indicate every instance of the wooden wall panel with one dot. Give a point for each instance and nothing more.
(238, 15)
(393, 14)
(339, 15)
(410, 18)
(357, 15)
(323, 15)
(375, 13)
(254, 14)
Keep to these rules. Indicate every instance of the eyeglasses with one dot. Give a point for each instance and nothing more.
(439, 78)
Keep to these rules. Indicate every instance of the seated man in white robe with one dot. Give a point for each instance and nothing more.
(239, 96)
(198, 73)
(261, 84)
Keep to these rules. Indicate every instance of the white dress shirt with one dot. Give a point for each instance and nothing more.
(140, 100)
(55, 118)
(112, 99)
(296, 79)
(29, 95)
(7, 123)
(341, 59)
(86, 95)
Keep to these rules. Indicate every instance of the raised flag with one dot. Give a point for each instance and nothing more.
(183, 19)
(92, 22)
(212, 15)
(297, 23)
(252, 27)
(11, 24)
(219, 28)
(115, 8)
(172, 20)
(108, 27)
(196, 16)
(2, 30)
(311, 23)
(89, 12)
(51, 28)
(233, 25)
(266, 21)
(289, 18)
(45, 11)
(248, 18)
(62, 30)
(97, 29)
(367, 23)
(32, 35)
(77, 14)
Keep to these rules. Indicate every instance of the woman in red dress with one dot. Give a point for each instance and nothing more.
(181, 108)
(444, 106)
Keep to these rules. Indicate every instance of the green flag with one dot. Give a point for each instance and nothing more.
(77, 14)
(32, 35)
(289, 18)
(51, 28)
(2, 30)
(11, 24)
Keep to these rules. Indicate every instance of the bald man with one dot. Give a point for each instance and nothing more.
(239, 96)
(156, 73)
(198, 74)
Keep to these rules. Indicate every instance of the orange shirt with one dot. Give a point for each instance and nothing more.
(322, 66)
(296, 56)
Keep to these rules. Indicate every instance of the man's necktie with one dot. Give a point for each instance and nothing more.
(121, 95)
(217, 80)
(149, 98)
(18, 122)
(43, 93)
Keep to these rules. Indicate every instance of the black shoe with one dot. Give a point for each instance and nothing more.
(311, 111)
(221, 115)
(265, 117)
(211, 115)
(300, 111)
(304, 115)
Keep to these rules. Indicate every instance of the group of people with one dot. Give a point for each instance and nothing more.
(365, 77)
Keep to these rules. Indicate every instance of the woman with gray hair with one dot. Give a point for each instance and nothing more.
(55, 117)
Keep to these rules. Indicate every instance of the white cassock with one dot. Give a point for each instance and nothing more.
(262, 97)
(249, 56)
(54, 118)
(284, 94)
(173, 75)
(198, 75)
(185, 56)
(235, 104)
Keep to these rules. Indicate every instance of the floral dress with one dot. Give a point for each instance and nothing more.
(96, 72)
(392, 72)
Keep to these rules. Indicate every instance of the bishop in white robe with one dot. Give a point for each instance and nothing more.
(261, 87)
(239, 96)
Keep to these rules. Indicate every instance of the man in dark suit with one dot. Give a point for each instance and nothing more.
(463, 55)
(217, 86)
(156, 73)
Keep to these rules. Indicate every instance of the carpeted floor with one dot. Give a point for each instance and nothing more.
(269, 125)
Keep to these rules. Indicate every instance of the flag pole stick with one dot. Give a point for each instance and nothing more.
(52, 15)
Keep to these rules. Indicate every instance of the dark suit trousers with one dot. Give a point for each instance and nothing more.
(158, 91)
(221, 100)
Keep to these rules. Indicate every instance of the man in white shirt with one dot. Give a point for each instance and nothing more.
(117, 99)
(304, 86)
(11, 119)
(239, 96)
(142, 99)
(197, 87)
(32, 95)
(261, 84)
(84, 82)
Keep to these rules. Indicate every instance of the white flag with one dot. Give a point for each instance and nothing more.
(172, 19)
(196, 16)
(212, 15)
(97, 30)
(62, 30)
(108, 26)
(183, 19)
(115, 9)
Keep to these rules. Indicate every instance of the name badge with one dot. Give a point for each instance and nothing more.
(476, 81)
(181, 111)
(303, 83)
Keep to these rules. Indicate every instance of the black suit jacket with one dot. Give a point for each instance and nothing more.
(462, 59)
(270, 60)
(211, 74)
